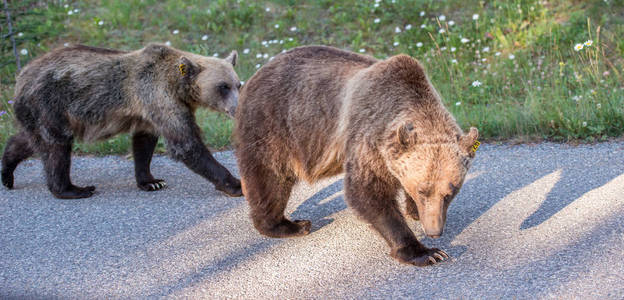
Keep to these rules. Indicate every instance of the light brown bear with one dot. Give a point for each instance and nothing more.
(316, 111)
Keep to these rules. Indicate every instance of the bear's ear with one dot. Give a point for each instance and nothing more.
(406, 135)
(468, 142)
(232, 58)
(187, 69)
(157, 51)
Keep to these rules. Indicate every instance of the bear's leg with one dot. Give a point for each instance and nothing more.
(267, 194)
(375, 201)
(57, 163)
(17, 149)
(410, 207)
(143, 145)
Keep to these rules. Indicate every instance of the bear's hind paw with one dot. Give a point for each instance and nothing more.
(288, 228)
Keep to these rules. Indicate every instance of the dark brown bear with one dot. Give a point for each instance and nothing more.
(316, 111)
(89, 94)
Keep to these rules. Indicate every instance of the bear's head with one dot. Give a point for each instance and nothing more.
(214, 80)
(431, 168)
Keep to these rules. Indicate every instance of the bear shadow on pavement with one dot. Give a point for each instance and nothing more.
(497, 176)
(312, 209)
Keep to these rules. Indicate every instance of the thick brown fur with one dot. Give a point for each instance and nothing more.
(89, 94)
(317, 111)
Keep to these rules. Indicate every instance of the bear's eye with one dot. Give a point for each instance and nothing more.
(238, 86)
(223, 88)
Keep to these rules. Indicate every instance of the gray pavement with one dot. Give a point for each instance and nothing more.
(532, 221)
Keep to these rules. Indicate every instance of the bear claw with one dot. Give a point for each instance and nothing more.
(418, 258)
(153, 185)
(306, 226)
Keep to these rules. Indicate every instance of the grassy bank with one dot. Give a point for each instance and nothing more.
(506, 67)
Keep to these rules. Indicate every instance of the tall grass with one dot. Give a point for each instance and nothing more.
(506, 67)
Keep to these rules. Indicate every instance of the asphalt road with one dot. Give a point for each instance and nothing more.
(535, 221)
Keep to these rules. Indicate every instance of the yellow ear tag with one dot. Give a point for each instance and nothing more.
(475, 146)
(182, 68)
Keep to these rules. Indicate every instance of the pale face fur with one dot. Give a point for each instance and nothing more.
(432, 174)
(218, 83)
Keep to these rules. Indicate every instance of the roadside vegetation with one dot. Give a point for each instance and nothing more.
(523, 70)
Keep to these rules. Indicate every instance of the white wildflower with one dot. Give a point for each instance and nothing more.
(204, 37)
(246, 51)
(408, 26)
(588, 43)
(419, 44)
(465, 40)
(362, 50)
(457, 103)
(24, 52)
(476, 83)
(578, 47)
(168, 43)
(175, 31)
(422, 13)
(451, 23)
(293, 28)
(475, 17)
(442, 17)
(486, 49)
(397, 29)
(511, 56)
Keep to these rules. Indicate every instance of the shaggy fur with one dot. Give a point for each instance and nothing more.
(89, 94)
(316, 111)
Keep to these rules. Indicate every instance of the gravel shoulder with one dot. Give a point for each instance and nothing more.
(532, 221)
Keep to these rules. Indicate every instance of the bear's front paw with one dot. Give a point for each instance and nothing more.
(152, 185)
(419, 256)
(231, 188)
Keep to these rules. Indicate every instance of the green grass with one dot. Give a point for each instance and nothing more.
(547, 91)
